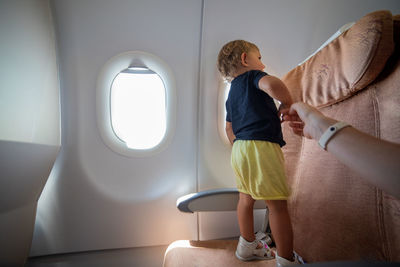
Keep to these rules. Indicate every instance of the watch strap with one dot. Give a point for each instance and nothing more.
(330, 132)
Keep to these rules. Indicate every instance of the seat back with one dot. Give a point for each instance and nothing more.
(336, 214)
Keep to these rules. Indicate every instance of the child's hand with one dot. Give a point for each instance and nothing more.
(307, 121)
(283, 109)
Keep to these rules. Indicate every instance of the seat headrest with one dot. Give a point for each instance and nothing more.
(346, 65)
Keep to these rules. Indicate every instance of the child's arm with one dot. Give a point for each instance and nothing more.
(229, 132)
(274, 87)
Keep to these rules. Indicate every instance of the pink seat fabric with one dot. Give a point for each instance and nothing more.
(336, 215)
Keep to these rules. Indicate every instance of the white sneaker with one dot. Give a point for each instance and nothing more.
(298, 258)
(247, 251)
(281, 262)
(264, 236)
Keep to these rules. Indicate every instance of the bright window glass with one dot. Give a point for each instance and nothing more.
(138, 108)
(223, 93)
(226, 93)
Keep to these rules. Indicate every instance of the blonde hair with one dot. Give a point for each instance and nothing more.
(229, 57)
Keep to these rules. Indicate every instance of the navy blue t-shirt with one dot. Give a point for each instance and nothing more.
(252, 111)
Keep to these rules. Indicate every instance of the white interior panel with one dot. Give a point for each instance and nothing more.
(24, 169)
(225, 224)
(29, 87)
(97, 198)
(29, 120)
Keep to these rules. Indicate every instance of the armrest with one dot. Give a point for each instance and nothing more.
(224, 199)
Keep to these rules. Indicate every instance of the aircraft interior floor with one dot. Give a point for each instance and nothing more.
(143, 257)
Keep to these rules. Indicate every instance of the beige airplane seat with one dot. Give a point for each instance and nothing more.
(336, 214)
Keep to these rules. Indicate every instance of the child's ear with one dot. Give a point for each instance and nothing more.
(243, 57)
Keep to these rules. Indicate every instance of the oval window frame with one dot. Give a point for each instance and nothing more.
(109, 71)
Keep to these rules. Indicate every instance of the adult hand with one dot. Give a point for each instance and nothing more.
(306, 120)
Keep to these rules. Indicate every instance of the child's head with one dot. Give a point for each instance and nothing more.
(229, 58)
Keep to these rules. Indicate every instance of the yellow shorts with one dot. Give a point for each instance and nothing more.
(260, 170)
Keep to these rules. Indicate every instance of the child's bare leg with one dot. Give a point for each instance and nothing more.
(245, 216)
(281, 227)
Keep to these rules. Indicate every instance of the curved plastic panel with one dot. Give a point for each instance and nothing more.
(29, 85)
(98, 198)
(25, 168)
(29, 120)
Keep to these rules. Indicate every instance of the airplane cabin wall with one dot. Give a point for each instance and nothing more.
(98, 199)
(30, 135)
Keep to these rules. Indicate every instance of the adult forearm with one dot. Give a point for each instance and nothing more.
(376, 160)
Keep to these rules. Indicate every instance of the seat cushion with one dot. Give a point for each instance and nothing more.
(184, 253)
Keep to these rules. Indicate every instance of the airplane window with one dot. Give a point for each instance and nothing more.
(138, 114)
(136, 104)
(226, 93)
(223, 96)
